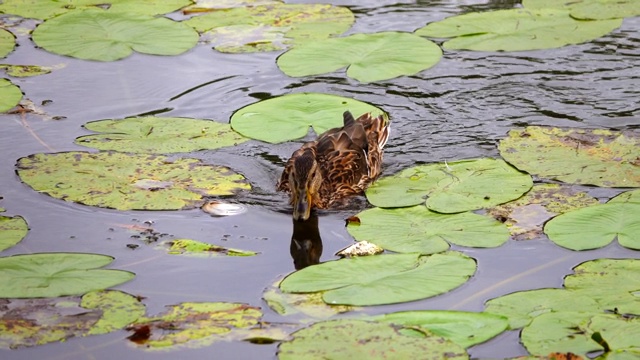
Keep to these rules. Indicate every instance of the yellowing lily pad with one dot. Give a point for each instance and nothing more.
(273, 26)
(198, 248)
(127, 182)
(516, 30)
(367, 57)
(590, 9)
(357, 339)
(159, 135)
(7, 42)
(289, 117)
(12, 231)
(57, 274)
(580, 156)
(418, 230)
(10, 95)
(451, 187)
(118, 310)
(27, 70)
(382, 279)
(101, 35)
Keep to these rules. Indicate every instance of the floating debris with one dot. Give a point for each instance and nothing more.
(217, 208)
(361, 248)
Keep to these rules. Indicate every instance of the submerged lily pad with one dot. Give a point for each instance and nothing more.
(57, 274)
(12, 231)
(101, 35)
(127, 182)
(310, 304)
(590, 9)
(289, 117)
(367, 57)
(516, 30)
(198, 248)
(463, 328)
(382, 279)
(580, 156)
(272, 26)
(44, 9)
(353, 339)
(451, 187)
(525, 216)
(10, 95)
(7, 42)
(159, 135)
(418, 230)
(194, 324)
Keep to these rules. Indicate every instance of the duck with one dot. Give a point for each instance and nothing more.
(340, 163)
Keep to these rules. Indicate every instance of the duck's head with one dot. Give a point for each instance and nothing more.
(304, 181)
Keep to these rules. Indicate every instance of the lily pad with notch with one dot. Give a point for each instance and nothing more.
(128, 182)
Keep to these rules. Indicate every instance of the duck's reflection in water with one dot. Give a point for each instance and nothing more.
(306, 245)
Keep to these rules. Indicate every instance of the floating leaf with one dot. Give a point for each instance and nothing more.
(525, 216)
(95, 34)
(10, 95)
(198, 248)
(159, 135)
(289, 117)
(590, 9)
(463, 328)
(118, 310)
(272, 26)
(581, 156)
(44, 9)
(310, 304)
(596, 226)
(367, 57)
(355, 339)
(12, 231)
(27, 70)
(417, 229)
(124, 182)
(382, 279)
(627, 197)
(7, 42)
(56, 274)
(196, 324)
(451, 187)
(516, 30)
(213, 5)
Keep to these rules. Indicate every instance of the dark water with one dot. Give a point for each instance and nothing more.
(456, 110)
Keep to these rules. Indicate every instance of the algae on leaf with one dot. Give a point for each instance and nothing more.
(198, 248)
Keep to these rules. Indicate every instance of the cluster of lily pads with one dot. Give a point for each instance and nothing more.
(419, 213)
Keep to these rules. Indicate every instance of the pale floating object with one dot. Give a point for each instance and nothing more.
(361, 248)
(217, 208)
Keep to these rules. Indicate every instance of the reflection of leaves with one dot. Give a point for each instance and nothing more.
(367, 57)
(7, 42)
(12, 231)
(580, 156)
(382, 279)
(589, 9)
(10, 95)
(417, 229)
(159, 135)
(516, 30)
(350, 339)
(96, 34)
(56, 274)
(124, 181)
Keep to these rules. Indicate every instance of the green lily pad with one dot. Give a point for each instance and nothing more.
(590, 9)
(198, 248)
(418, 230)
(367, 57)
(159, 135)
(632, 197)
(12, 231)
(127, 182)
(7, 42)
(195, 324)
(270, 27)
(44, 9)
(516, 30)
(109, 36)
(289, 117)
(357, 339)
(525, 216)
(201, 6)
(10, 95)
(580, 156)
(118, 309)
(596, 226)
(463, 328)
(382, 279)
(310, 304)
(57, 274)
(26, 70)
(451, 187)
(579, 333)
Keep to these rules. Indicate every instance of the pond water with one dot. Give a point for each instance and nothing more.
(456, 110)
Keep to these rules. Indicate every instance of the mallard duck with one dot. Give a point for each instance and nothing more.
(340, 163)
